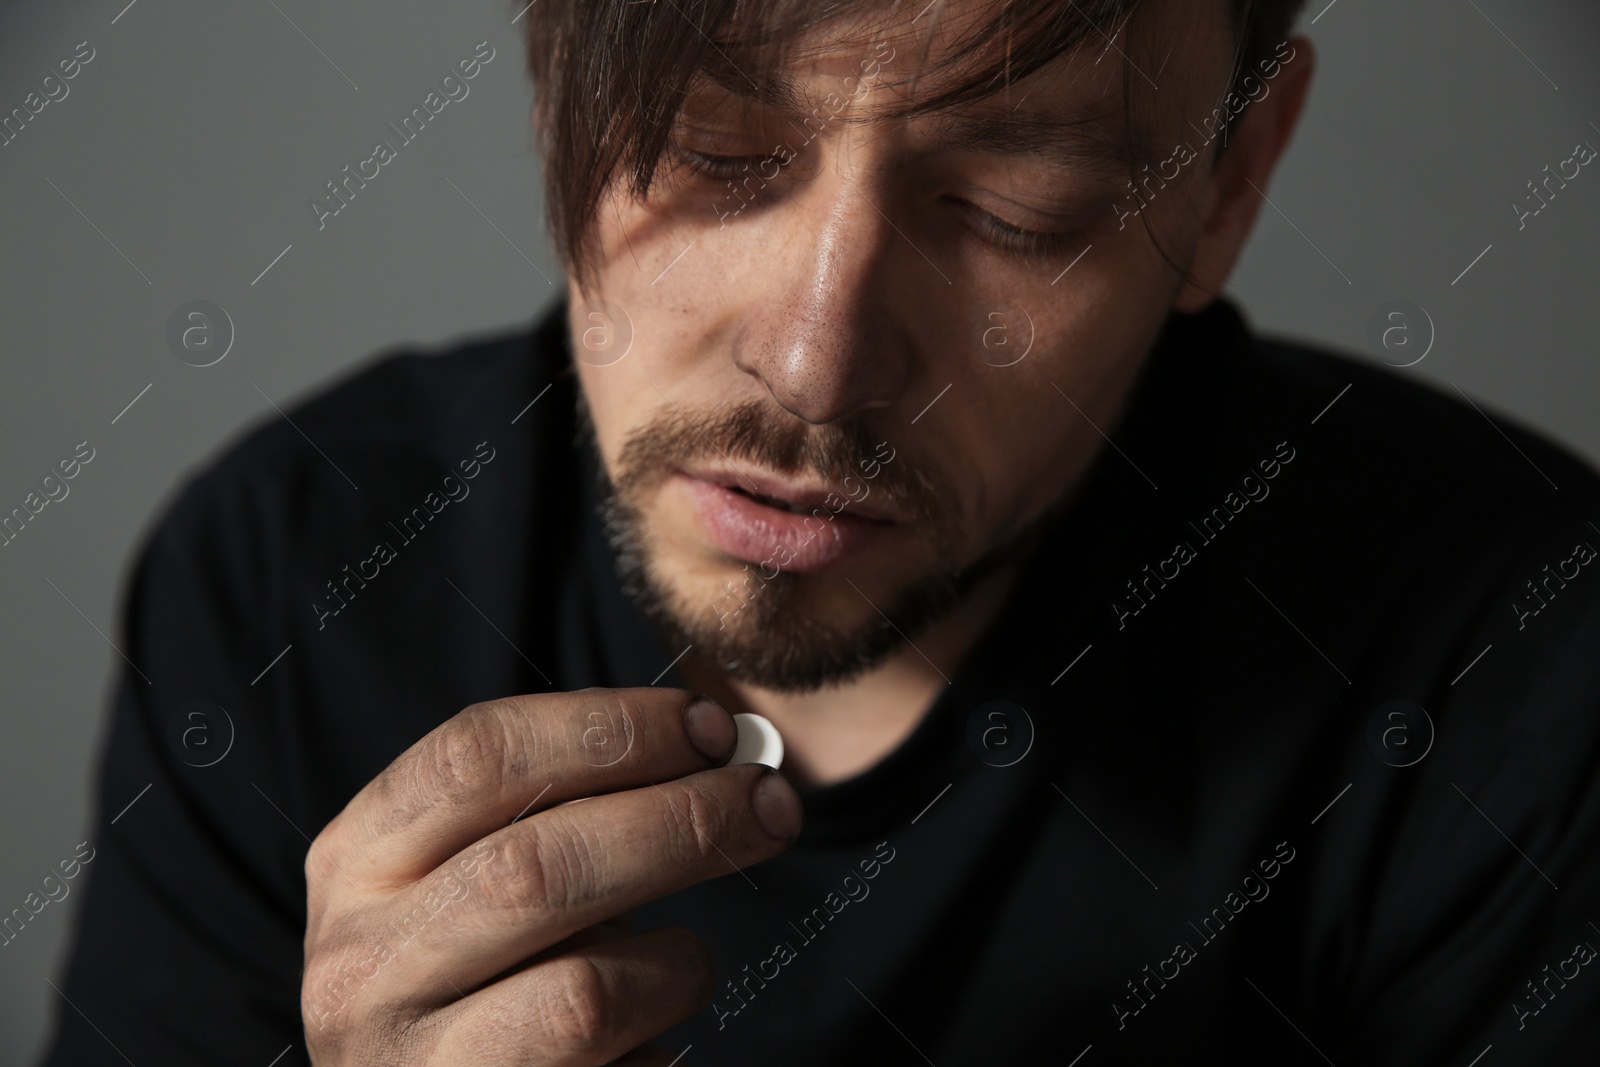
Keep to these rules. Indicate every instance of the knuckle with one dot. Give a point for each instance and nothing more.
(466, 761)
(310, 866)
(519, 882)
(696, 820)
(328, 999)
(580, 1012)
(320, 864)
(607, 730)
(343, 1012)
(535, 874)
(336, 1004)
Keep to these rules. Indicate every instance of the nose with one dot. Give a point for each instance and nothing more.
(827, 343)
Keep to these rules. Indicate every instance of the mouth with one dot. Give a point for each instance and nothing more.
(780, 525)
(793, 507)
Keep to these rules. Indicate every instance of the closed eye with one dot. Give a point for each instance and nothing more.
(721, 168)
(1012, 238)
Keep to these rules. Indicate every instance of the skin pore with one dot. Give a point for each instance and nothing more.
(863, 283)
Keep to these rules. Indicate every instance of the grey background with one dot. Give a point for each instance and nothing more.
(195, 137)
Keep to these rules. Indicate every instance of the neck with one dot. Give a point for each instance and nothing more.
(840, 731)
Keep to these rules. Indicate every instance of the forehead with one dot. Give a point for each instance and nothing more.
(1081, 90)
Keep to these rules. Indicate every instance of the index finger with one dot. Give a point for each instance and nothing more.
(498, 761)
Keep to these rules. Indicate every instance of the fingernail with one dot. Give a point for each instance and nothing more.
(777, 806)
(711, 729)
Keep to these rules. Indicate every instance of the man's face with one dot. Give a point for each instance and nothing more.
(865, 357)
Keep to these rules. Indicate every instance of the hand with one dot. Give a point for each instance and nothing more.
(463, 910)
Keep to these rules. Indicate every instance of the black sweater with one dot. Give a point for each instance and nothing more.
(1290, 760)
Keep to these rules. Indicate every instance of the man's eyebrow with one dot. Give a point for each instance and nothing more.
(1085, 144)
(772, 90)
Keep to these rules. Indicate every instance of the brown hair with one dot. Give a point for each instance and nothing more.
(610, 75)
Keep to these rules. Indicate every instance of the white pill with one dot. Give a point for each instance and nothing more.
(759, 742)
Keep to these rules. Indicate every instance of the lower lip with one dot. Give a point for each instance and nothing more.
(751, 531)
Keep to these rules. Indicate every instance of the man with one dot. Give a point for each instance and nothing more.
(1150, 693)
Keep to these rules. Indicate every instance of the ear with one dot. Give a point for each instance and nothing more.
(1254, 146)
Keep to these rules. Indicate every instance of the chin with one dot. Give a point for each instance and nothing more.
(774, 628)
(780, 631)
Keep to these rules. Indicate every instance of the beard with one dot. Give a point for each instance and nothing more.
(772, 633)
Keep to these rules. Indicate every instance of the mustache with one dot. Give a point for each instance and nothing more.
(842, 455)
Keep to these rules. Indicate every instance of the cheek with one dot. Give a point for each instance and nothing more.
(606, 403)
(611, 330)
(667, 366)
(1029, 429)
(1017, 453)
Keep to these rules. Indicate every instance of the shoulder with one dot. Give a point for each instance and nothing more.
(413, 407)
(406, 403)
(1430, 435)
(317, 478)
(1405, 520)
(1385, 454)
